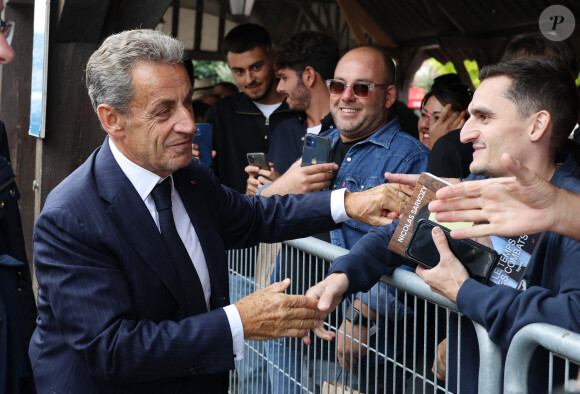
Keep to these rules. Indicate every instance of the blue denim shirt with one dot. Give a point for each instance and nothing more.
(390, 149)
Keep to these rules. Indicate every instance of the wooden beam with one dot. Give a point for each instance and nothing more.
(81, 20)
(175, 18)
(359, 21)
(140, 14)
(306, 8)
(71, 134)
(198, 25)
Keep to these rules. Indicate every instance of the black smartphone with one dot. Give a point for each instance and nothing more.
(258, 159)
(478, 259)
(315, 149)
(202, 138)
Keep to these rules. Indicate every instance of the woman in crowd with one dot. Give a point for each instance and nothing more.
(443, 113)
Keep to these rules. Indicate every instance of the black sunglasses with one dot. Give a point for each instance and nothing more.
(359, 89)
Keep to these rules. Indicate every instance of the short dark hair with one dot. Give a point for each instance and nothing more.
(538, 83)
(308, 49)
(559, 51)
(448, 89)
(246, 37)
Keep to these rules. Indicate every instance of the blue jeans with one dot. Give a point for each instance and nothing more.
(253, 369)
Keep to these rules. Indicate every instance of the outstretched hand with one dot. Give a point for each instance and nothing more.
(522, 204)
(328, 293)
(269, 313)
(375, 206)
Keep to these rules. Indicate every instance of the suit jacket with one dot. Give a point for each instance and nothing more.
(111, 317)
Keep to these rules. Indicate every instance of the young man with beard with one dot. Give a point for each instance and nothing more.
(244, 122)
(525, 108)
(304, 63)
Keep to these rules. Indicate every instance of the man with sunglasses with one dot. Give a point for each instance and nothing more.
(366, 143)
(17, 305)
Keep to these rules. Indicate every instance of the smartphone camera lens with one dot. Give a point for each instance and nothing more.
(252, 160)
(309, 141)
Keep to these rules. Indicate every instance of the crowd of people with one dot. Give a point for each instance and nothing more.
(129, 250)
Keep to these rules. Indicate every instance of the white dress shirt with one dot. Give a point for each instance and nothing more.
(144, 181)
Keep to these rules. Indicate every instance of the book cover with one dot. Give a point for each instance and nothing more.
(417, 209)
(515, 252)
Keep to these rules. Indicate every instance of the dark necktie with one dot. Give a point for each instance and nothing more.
(162, 196)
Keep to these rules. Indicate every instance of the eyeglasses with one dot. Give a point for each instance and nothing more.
(359, 89)
(7, 28)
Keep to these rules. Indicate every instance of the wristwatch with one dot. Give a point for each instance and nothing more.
(355, 316)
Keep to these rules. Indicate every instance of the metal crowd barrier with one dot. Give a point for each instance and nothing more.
(398, 358)
(562, 344)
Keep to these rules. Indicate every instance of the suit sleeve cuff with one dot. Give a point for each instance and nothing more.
(237, 330)
(337, 209)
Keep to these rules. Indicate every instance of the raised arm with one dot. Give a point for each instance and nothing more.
(516, 205)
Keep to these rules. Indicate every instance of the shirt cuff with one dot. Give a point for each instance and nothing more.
(237, 330)
(337, 209)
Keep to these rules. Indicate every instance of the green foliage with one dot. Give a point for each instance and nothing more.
(216, 71)
(431, 69)
(473, 70)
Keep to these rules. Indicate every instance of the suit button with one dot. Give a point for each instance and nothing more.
(12, 192)
(1, 204)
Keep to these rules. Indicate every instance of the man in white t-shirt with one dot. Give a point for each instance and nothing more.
(303, 63)
(244, 122)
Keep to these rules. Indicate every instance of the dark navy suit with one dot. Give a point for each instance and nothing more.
(110, 300)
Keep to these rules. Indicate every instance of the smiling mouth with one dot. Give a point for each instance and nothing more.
(349, 110)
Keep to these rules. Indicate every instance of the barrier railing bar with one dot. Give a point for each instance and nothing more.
(558, 340)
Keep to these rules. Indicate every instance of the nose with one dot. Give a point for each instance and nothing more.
(249, 76)
(6, 52)
(186, 121)
(281, 88)
(348, 94)
(468, 132)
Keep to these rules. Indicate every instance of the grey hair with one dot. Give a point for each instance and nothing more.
(109, 67)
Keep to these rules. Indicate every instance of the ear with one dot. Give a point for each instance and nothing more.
(309, 76)
(113, 122)
(390, 95)
(542, 122)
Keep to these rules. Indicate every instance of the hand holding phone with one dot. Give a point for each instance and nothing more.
(477, 259)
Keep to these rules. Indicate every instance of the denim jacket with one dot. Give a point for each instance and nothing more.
(389, 149)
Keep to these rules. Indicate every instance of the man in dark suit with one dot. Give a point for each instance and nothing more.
(120, 311)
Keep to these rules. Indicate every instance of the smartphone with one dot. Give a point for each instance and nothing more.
(202, 138)
(478, 259)
(258, 159)
(315, 149)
